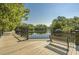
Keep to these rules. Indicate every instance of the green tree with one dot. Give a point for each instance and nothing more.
(11, 15)
(30, 28)
(58, 23)
(22, 30)
(40, 28)
(65, 24)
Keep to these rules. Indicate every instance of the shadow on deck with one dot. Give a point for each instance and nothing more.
(57, 49)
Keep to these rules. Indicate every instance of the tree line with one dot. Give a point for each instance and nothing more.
(30, 29)
(65, 24)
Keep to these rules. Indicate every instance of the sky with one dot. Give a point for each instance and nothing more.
(44, 13)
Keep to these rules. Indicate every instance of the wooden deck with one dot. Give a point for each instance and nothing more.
(9, 45)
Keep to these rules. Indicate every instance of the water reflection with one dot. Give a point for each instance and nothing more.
(39, 36)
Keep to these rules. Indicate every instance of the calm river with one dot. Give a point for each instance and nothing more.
(39, 36)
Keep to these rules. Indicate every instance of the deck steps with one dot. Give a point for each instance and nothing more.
(62, 50)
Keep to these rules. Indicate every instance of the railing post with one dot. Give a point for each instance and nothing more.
(50, 36)
(27, 34)
(67, 45)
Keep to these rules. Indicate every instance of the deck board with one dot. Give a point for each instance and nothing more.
(9, 45)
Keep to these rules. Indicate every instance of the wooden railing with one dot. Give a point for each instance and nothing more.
(69, 39)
